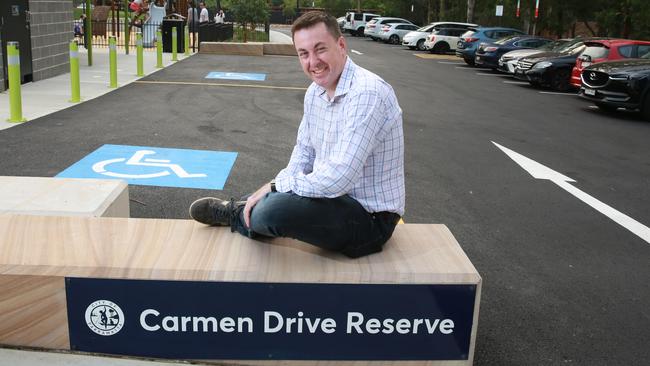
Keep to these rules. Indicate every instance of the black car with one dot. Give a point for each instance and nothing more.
(551, 69)
(624, 84)
(488, 53)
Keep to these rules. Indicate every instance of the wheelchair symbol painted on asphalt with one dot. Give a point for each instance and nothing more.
(156, 166)
(136, 159)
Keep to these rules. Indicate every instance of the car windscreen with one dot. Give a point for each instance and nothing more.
(426, 28)
(505, 40)
(552, 46)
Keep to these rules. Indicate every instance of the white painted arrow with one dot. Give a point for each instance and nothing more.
(540, 171)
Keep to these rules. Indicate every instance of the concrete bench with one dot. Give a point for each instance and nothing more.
(64, 196)
(180, 290)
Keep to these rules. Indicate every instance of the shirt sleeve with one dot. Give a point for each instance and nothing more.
(343, 167)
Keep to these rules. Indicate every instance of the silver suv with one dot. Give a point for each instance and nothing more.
(373, 28)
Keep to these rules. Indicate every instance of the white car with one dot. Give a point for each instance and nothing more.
(373, 28)
(355, 23)
(443, 40)
(394, 32)
(417, 38)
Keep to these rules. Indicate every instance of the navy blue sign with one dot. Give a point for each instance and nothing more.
(226, 320)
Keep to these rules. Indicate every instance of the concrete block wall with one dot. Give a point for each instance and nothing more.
(51, 32)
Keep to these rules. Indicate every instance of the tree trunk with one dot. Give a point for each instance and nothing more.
(470, 10)
(442, 11)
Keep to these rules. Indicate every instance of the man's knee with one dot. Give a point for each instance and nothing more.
(270, 212)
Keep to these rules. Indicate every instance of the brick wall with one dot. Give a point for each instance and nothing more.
(51, 32)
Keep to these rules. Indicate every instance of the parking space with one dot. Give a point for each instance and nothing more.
(563, 282)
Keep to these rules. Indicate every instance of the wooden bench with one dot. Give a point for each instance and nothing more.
(248, 49)
(64, 196)
(179, 289)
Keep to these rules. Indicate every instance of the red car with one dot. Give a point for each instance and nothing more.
(607, 50)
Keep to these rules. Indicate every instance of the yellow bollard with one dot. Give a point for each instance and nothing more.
(74, 73)
(15, 97)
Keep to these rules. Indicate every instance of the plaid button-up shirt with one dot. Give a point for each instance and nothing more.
(352, 144)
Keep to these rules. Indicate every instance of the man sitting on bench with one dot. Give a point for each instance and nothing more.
(343, 188)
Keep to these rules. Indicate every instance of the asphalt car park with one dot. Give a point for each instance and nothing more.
(563, 282)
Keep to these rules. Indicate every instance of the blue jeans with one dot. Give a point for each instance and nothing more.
(340, 224)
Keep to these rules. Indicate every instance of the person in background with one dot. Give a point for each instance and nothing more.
(192, 21)
(220, 17)
(204, 16)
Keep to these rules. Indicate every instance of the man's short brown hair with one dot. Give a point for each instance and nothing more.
(312, 18)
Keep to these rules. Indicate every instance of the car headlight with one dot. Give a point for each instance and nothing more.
(542, 65)
(619, 77)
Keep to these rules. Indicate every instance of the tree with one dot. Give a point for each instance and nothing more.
(249, 13)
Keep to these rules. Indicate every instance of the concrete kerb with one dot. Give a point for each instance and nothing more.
(47, 96)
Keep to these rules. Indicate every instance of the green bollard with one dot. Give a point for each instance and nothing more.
(174, 44)
(15, 98)
(138, 42)
(159, 63)
(187, 40)
(74, 73)
(112, 57)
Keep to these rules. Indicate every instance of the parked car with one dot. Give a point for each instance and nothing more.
(374, 27)
(488, 54)
(417, 38)
(341, 21)
(619, 84)
(444, 40)
(508, 61)
(607, 50)
(355, 23)
(469, 41)
(394, 32)
(551, 69)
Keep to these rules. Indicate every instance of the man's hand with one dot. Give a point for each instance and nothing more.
(252, 201)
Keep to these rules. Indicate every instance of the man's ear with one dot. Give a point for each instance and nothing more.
(341, 43)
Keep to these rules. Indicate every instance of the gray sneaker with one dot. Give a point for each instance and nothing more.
(213, 211)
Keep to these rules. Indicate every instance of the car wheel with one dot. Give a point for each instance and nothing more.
(442, 47)
(394, 39)
(411, 47)
(536, 84)
(606, 107)
(468, 61)
(645, 107)
(420, 45)
(560, 80)
(360, 32)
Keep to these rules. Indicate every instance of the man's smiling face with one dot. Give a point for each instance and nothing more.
(321, 55)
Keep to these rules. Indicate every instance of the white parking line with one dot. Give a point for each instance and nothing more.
(450, 63)
(516, 82)
(558, 93)
(484, 74)
(465, 67)
(357, 52)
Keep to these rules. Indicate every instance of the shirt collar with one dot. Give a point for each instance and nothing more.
(345, 81)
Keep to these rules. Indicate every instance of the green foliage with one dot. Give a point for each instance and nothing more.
(248, 13)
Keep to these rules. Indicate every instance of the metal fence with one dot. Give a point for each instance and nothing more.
(125, 33)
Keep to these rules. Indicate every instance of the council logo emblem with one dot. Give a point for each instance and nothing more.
(104, 317)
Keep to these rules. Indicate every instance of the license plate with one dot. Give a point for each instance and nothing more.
(590, 92)
(478, 58)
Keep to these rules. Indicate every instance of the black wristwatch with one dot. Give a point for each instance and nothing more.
(273, 189)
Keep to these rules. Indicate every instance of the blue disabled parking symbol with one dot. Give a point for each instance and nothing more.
(236, 76)
(156, 166)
